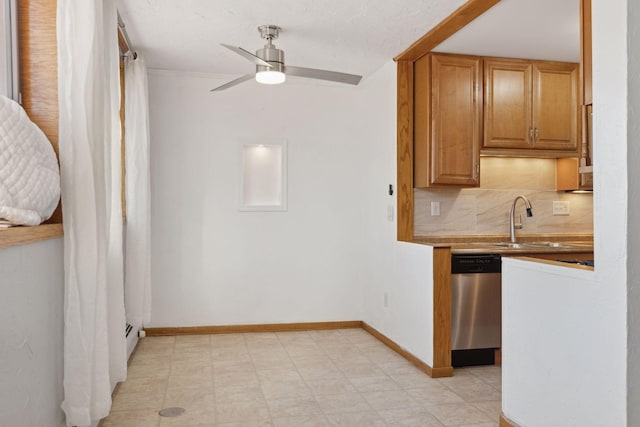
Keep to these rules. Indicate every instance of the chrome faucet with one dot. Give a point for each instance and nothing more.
(512, 214)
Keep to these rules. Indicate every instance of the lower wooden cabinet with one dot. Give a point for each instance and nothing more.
(447, 120)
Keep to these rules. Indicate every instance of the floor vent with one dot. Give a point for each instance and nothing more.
(171, 412)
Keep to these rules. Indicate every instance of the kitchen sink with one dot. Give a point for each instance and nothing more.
(525, 245)
(550, 245)
(509, 245)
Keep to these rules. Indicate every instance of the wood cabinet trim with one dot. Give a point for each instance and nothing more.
(442, 308)
(405, 151)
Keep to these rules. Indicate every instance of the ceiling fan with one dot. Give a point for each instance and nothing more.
(270, 68)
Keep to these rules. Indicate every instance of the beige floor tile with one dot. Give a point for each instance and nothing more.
(273, 363)
(151, 399)
(330, 386)
(188, 369)
(188, 398)
(239, 380)
(311, 360)
(139, 418)
(192, 417)
(359, 370)
(356, 419)
(415, 417)
(268, 353)
(194, 355)
(248, 395)
(298, 337)
(377, 383)
(316, 420)
(248, 423)
(491, 408)
(314, 378)
(342, 402)
(382, 355)
(231, 366)
(476, 392)
(279, 389)
(143, 385)
(310, 373)
(294, 406)
(235, 412)
(152, 368)
(227, 340)
(328, 338)
(156, 345)
(301, 350)
(434, 396)
(390, 399)
(480, 425)
(399, 367)
(281, 374)
(458, 414)
(202, 382)
(230, 354)
(414, 380)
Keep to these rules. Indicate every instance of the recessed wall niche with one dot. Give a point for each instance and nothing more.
(264, 176)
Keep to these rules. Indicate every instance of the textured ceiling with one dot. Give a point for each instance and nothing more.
(353, 36)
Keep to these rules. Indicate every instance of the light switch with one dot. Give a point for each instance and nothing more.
(435, 208)
(560, 208)
(389, 212)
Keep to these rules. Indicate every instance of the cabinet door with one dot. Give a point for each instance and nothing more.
(456, 118)
(555, 106)
(507, 104)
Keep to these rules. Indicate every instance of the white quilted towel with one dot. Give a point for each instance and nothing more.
(29, 174)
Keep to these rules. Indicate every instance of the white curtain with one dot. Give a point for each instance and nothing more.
(89, 145)
(138, 244)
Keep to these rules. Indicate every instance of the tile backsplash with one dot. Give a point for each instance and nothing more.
(485, 210)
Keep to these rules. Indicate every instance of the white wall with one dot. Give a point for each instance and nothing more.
(582, 319)
(402, 271)
(214, 265)
(31, 334)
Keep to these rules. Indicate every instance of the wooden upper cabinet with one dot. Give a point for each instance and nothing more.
(555, 106)
(530, 106)
(447, 120)
(507, 109)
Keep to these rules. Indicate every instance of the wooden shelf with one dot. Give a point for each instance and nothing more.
(15, 236)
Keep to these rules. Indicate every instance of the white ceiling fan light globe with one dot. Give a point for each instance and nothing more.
(270, 77)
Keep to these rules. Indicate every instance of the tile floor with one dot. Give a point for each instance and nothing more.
(294, 379)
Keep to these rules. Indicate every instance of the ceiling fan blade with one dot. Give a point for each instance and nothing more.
(247, 55)
(332, 76)
(233, 82)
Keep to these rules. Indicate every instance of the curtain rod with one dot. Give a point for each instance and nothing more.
(127, 40)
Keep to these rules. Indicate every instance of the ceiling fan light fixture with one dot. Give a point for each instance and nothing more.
(270, 77)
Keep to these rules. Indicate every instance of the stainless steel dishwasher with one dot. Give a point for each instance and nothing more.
(475, 308)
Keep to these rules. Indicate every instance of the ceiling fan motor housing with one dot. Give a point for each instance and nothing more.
(273, 56)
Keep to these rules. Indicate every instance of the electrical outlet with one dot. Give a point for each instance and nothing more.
(386, 300)
(560, 208)
(435, 208)
(390, 213)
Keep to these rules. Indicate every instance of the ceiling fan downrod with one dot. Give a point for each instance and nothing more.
(270, 53)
